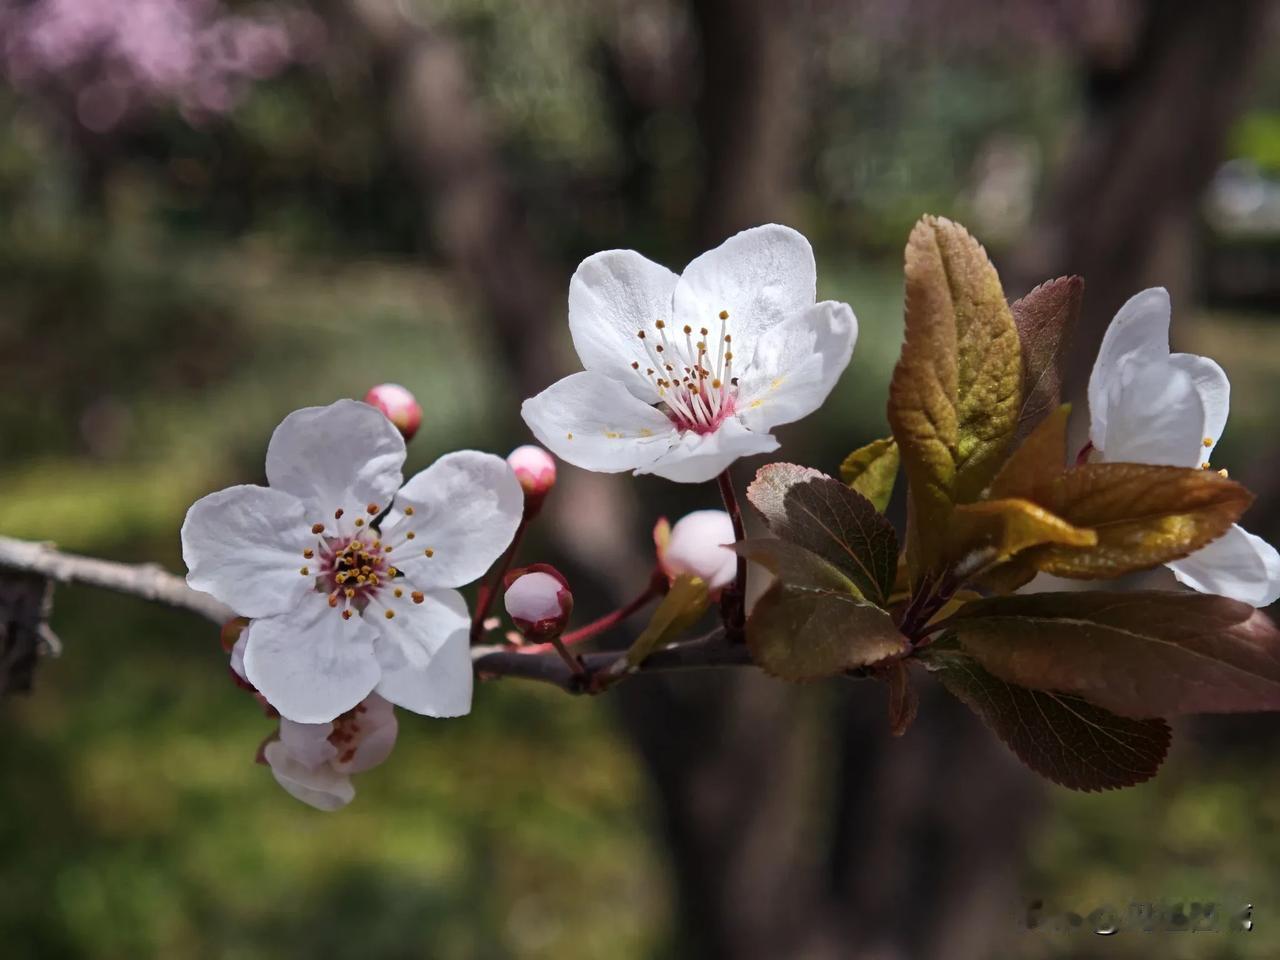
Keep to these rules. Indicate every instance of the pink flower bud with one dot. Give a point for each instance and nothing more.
(399, 405)
(695, 545)
(536, 471)
(539, 601)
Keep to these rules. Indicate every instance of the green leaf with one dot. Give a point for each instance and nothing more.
(821, 514)
(1062, 737)
(1136, 654)
(990, 531)
(872, 470)
(795, 565)
(956, 391)
(1045, 318)
(679, 610)
(1144, 516)
(803, 634)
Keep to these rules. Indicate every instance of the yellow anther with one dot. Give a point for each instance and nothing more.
(688, 329)
(390, 614)
(359, 521)
(659, 324)
(715, 384)
(361, 579)
(568, 436)
(724, 314)
(1207, 441)
(1205, 465)
(392, 572)
(305, 571)
(1223, 473)
(408, 511)
(728, 356)
(308, 554)
(399, 592)
(350, 592)
(428, 552)
(409, 535)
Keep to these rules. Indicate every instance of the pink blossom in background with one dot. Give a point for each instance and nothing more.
(116, 56)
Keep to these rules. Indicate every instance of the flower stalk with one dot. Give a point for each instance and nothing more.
(733, 600)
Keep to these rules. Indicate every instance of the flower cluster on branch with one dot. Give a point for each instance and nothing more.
(346, 576)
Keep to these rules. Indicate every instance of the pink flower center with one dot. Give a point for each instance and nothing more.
(353, 565)
(694, 379)
(345, 735)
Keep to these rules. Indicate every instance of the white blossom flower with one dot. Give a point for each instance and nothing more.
(1147, 405)
(314, 761)
(347, 596)
(696, 546)
(684, 374)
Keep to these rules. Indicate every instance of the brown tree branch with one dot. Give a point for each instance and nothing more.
(43, 563)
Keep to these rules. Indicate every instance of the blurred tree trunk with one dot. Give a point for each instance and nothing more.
(1159, 103)
(472, 215)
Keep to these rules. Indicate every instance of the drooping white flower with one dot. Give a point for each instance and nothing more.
(684, 374)
(314, 761)
(1147, 405)
(347, 596)
(696, 546)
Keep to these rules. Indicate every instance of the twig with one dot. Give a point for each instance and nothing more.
(734, 599)
(490, 589)
(147, 581)
(708, 651)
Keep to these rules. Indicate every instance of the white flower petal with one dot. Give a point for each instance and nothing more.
(321, 787)
(1140, 330)
(308, 743)
(700, 457)
(1239, 565)
(613, 295)
(376, 736)
(425, 655)
(244, 546)
(345, 455)
(696, 546)
(1215, 395)
(594, 423)
(466, 507)
(760, 276)
(310, 663)
(1155, 415)
(797, 363)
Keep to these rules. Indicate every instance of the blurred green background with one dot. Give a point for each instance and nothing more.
(179, 270)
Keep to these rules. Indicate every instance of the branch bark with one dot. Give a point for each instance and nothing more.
(32, 568)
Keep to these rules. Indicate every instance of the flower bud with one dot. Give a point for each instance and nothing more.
(539, 601)
(695, 545)
(399, 405)
(536, 471)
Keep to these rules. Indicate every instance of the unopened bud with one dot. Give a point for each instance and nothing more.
(539, 601)
(695, 546)
(399, 405)
(536, 471)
